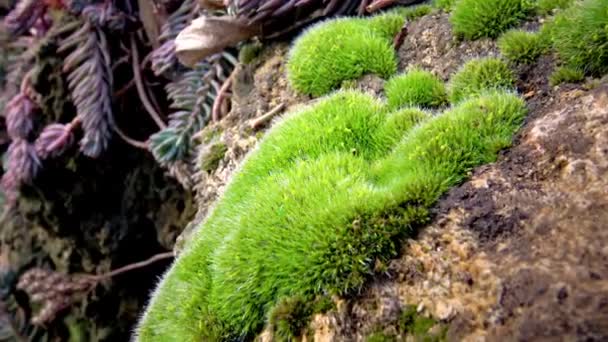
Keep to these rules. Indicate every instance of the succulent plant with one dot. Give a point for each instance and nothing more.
(89, 36)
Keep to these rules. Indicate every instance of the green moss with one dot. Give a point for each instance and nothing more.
(349, 84)
(566, 75)
(521, 47)
(249, 52)
(592, 84)
(416, 88)
(327, 194)
(290, 317)
(212, 155)
(544, 7)
(420, 327)
(323, 304)
(379, 337)
(385, 25)
(410, 325)
(343, 49)
(445, 5)
(413, 12)
(402, 121)
(479, 75)
(473, 19)
(580, 36)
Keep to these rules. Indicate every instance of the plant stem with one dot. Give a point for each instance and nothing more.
(140, 86)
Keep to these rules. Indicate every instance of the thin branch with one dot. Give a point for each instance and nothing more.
(120, 92)
(135, 143)
(146, 60)
(140, 86)
(134, 266)
(126, 138)
(221, 96)
(121, 60)
(151, 96)
(262, 120)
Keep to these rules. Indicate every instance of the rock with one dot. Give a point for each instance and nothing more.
(518, 251)
(444, 310)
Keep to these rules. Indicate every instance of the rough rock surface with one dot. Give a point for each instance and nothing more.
(429, 44)
(518, 252)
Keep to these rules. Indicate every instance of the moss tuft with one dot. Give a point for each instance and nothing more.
(323, 304)
(380, 337)
(413, 12)
(580, 36)
(521, 47)
(402, 121)
(545, 7)
(473, 19)
(327, 195)
(343, 49)
(249, 52)
(566, 75)
(445, 5)
(479, 75)
(419, 326)
(211, 156)
(289, 318)
(416, 88)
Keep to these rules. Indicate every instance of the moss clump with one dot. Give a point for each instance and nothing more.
(420, 326)
(580, 36)
(327, 194)
(343, 49)
(521, 47)
(416, 88)
(385, 25)
(544, 7)
(479, 75)
(566, 75)
(291, 316)
(473, 19)
(414, 12)
(402, 121)
(409, 324)
(211, 156)
(445, 5)
(379, 337)
(249, 52)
